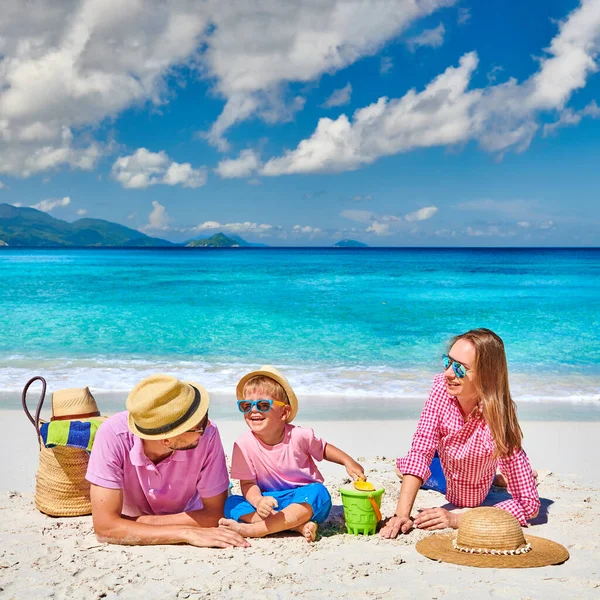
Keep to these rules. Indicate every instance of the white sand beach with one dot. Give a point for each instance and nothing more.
(43, 557)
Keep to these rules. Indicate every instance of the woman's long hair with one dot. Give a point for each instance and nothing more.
(491, 381)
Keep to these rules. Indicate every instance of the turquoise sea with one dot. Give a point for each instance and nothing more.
(356, 323)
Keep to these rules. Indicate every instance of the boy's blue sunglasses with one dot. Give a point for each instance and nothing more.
(459, 370)
(245, 406)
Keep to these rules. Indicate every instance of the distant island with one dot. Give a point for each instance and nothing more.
(21, 226)
(28, 227)
(219, 240)
(349, 244)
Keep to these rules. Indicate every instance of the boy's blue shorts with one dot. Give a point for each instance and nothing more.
(314, 494)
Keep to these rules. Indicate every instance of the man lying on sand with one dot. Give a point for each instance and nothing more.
(158, 470)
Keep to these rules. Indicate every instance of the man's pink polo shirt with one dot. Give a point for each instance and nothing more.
(176, 484)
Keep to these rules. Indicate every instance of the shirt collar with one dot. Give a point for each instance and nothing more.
(139, 459)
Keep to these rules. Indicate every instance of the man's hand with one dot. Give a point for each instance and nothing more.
(436, 518)
(214, 537)
(395, 525)
(355, 470)
(265, 506)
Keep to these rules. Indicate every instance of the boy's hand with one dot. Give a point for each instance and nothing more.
(355, 470)
(265, 506)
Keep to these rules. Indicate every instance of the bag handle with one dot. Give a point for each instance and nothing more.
(35, 421)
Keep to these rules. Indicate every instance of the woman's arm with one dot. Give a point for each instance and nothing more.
(401, 521)
(414, 467)
(521, 484)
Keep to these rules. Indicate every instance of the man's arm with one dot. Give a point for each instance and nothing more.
(111, 527)
(206, 517)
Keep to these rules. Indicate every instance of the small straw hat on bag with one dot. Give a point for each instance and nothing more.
(61, 487)
(492, 537)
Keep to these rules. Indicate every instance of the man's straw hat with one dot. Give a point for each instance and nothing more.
(492, 537)
(161, 407)
(73, 403)
(272, 373)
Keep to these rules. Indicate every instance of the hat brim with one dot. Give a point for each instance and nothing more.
(543, 553)
(239, 390)
(192, 421)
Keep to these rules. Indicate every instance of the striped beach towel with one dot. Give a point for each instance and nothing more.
(73, 434)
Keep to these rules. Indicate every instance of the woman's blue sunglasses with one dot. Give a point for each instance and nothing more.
(459, 370)
(245, 406)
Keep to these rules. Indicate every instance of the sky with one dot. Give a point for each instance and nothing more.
(390, 122)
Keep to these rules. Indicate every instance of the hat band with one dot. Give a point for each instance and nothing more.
(170, 426)
(522, 550)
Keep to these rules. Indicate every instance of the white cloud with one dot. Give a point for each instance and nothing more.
(247, 227)
(158, 218)
(379, 228)
(439, 115)
(51, 203)
(499, 117)
(432, 38)
(464, 15)
(569, 117)
(144, 168)
(247, 163)
(307, 229)
(422, 214)
(359, 198)
(82, 212)
(256, 48)
(386, 64)
(339, 97)
(65, 65)
(2, 185)
(524, 224)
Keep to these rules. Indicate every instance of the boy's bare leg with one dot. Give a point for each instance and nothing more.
(252, 517)
(294, 517)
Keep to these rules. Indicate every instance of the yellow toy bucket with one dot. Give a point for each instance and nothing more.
(361, 508)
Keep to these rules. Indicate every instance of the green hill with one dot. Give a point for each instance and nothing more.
(20, 226)
(349, 244)
(219, 240)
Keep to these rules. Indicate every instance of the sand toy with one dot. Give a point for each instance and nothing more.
(362, 502)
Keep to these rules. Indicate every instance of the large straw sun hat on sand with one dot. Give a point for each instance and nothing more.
(492, 537)
(272, 373)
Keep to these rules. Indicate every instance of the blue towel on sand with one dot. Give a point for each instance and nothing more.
(437, 479)
(74, 434)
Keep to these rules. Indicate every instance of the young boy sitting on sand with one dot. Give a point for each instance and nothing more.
(274, 461)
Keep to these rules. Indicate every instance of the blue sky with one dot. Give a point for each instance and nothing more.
(405, 123)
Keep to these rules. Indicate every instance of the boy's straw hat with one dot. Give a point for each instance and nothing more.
(272, 373)
(161, 407)
(73, 403)
(492, 537)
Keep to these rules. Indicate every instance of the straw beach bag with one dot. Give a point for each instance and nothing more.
(61, 488)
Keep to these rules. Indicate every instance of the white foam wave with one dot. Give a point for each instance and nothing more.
(104, 374)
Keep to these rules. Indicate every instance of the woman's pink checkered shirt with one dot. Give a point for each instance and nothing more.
(466, 448)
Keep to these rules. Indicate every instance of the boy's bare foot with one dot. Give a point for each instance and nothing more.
(244, 529)
(308, 530)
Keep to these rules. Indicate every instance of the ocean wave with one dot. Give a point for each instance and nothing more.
(105, 374)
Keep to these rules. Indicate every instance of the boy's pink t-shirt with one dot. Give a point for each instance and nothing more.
(289, 464)
(176, 484)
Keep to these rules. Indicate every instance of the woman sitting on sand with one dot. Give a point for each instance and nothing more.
(470, 420)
